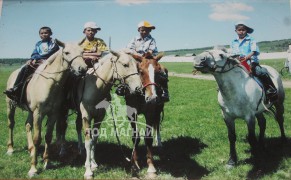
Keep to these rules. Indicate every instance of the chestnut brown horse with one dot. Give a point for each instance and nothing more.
(150, 106)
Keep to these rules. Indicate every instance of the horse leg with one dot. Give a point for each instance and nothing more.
(149, 144)
(28, 126)
(11, 123)
(88, 143)
(48, 138)
(96, 126)
(232, 139)
(157, 126)
(61, 128)
(135, 139)
(280, 119)
(251, 123)
(262, 124)
(37, 120)
(79, 132)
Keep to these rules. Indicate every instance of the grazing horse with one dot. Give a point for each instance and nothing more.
(241, 96)
(94, 88)
(150, 106)
(45, 96)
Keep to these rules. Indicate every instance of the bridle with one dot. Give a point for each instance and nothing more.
(227, 66)
(150, 84)
(69, 62)
(116, 76)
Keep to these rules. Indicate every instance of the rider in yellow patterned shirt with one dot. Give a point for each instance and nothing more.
(93, 47)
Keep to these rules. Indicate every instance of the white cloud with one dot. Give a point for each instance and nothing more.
(227, 17)
(229, 11)
(132, 2)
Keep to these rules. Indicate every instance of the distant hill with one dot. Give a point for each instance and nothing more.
(265, 46)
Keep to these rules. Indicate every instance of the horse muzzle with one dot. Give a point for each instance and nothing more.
(81, 71)
(151, 100)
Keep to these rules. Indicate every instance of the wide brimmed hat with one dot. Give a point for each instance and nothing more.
(145, 24)
(92, 25)
(249, 29)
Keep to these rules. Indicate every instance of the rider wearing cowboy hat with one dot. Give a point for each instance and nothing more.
(246, 47)
(145, 45)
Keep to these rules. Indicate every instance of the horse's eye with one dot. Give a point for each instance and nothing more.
(66, 53)
(125, 65)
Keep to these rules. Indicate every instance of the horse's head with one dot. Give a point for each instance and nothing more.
(72, 54)
(125, 70)
(148, 68)
(214, 61)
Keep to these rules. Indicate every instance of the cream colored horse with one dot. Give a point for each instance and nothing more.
(45, 97)
(95, 88)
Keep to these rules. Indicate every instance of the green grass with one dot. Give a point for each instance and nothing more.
(194, 136)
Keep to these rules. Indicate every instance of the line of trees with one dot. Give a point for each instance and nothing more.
(11, 61)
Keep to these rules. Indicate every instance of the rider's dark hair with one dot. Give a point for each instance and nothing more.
(46, 28)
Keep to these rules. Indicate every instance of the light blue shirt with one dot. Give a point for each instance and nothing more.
(141, 46)
(245, 47)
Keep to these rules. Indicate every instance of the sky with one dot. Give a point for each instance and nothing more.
(180, 24)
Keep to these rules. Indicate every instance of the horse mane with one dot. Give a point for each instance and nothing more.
(49, 61)
(105, 58)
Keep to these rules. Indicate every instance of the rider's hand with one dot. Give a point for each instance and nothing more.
(241, 59)
(30, 62)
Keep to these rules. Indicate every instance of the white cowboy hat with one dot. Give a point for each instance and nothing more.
(92, 25)
(249, 29)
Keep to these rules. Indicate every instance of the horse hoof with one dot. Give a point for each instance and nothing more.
(151, 175)
(94, 167)
(32, 173)
(88, 174)
(9, 152)
(88, 177)
(47, 165)
(229, 166)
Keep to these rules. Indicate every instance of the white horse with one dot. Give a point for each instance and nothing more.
(117, 66)
(240, 96)
(45, 96)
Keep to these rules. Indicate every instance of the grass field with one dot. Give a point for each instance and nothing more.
(194, 137)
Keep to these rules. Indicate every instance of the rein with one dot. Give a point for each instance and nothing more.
(150, 84)
(222, 68)
(119, 77)
(69, 66)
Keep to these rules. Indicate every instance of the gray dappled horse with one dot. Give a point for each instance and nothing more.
(150, 106)
(45, 96)
(240, 96)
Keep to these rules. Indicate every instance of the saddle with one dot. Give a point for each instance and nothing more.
(267, 99)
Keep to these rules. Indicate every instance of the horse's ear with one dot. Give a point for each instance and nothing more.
(233, 58)
(159, 56)
(115, 53)
(137, 57)
(60, 43)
